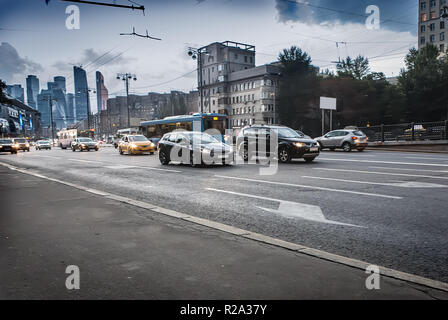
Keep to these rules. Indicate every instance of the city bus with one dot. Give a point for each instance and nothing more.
(123, 132)
(155, 129)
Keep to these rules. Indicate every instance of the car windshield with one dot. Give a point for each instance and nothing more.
(20, 140)
(85, 140)
(358, 133)
(5, 141)
(43, 142)
(138, 138)
(287, 133)
(204, 138)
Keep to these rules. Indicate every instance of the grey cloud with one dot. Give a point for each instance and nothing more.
(12, 64)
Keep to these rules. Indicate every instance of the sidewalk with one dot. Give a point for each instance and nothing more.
(126, 252)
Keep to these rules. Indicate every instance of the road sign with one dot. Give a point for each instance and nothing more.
(328, 103)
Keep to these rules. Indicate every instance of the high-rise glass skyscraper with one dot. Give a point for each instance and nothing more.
(82, 106)
(16, 91)
(43, 106)
(70, 111)
(32, 90)
(60, 83)
(101, 92)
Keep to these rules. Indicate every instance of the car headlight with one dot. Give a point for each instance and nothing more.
(151, 144)
(83, 145)
(299, 144)
(206, 151)
(27, 145)
(133, 145)
(16, 146)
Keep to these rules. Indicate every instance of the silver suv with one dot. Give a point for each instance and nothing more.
(346, 139)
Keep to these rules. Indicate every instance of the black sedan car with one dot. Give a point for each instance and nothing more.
(82, 144)
(194, 148)
(256, 140)
(7, 145)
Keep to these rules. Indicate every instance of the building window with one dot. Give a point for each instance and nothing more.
(442, 24)
(433, 3)
(422, 40)
(251, 60)
(442, 48)
(236, 56)
(423, 5)
(423, 28)
(442, 36)
(432, 27)
(433, 15)
(432, 38)
(245, 59)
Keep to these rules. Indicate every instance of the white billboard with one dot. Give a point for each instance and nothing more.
(328, 103)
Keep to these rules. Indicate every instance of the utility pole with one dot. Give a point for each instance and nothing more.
(126, 77)
(50, 99)
(197, 54)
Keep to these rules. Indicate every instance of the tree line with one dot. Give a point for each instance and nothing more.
(364, 97)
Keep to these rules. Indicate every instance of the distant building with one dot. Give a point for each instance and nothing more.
(82, 105)
(19, 120)
(32, 90)
(432, 27)
(70, 110)
(43, 106)
(232, 85)
(60, 83)
(16, 91)
(101, 92)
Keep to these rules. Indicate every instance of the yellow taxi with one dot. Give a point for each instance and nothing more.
(135, 144)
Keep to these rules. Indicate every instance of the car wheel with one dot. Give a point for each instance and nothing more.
(309, 159)
(320, 145)
(96, 149)
(120, 150)
(163, 158)
(244, 153)
(284, 155)
(347, 147)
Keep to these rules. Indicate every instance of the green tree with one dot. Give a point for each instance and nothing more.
(424, 84)
(298, 89)
(357, 68)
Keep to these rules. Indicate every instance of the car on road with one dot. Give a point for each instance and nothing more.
(82, 144)
(43, 144)
(194, 148)
(346, 139)
(7, 145)
(22, 144)
(135, 144)
(290, 144)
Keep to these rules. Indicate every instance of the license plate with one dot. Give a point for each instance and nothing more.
(314, 149)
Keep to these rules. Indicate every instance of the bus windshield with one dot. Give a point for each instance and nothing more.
(220, 125)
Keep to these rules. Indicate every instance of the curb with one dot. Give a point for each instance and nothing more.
(358, 264)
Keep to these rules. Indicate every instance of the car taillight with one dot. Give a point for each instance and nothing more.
(354, 138)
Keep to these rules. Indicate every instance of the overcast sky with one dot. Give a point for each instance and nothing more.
(34, 39)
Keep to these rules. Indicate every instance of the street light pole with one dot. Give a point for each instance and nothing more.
(197, 54)
(126, 77)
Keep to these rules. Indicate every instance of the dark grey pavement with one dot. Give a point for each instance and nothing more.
(124, 252)
(398, 200)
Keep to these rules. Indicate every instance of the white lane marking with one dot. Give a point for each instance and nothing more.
(42, 156)
(120, 166)
(403, 184)
(85, 161)
(291, 209)
(388, 162)
(158, 169)
(312, 187)
(405, 169)
(383, 173)
(358, 264)
(427, 158)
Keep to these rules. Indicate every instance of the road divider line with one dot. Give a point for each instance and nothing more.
(85, 161)
(383, 173)
(403, 184)
(312, 187)
(387, 162)
(405, 169)
(300, 249)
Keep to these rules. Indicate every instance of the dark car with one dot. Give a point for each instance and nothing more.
(254, 141)
(194, 148)
(43, 144)
(7, 145)
(22, 144)
(82, 144)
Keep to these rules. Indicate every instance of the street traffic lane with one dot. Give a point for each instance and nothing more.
(124, 252)
(404, 234)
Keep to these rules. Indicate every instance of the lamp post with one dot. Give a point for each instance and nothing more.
(195, 53)
(126, 77)
(50, 99)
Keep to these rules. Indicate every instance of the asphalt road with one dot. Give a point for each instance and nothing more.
(386, 208)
